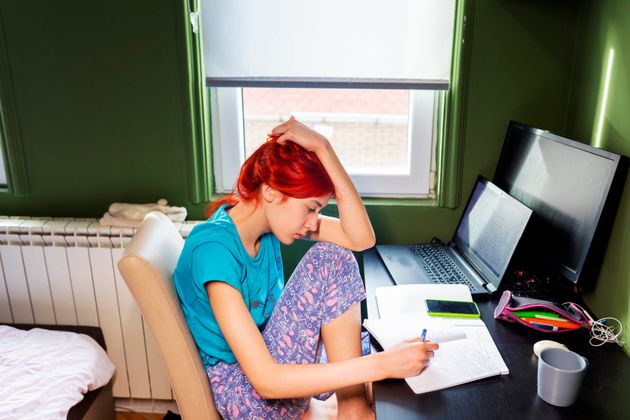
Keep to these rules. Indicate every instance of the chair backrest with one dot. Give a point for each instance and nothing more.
(147, 266)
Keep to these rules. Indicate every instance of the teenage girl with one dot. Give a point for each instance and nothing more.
(259, 340)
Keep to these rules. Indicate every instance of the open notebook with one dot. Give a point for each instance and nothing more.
(467, 351)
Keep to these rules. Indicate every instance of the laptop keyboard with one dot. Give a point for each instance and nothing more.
(439, 266)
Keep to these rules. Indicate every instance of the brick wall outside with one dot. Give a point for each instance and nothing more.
(367, 128)
(357, 144)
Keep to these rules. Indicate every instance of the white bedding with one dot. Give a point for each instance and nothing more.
(43, 373)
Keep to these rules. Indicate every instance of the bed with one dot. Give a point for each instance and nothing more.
(53, 371)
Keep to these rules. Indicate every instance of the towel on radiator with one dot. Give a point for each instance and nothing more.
(132, 215)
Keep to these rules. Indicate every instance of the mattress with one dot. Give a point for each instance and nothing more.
(45, 373)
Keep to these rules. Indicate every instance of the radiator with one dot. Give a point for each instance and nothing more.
(64, 271)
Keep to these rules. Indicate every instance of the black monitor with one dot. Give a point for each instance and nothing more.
(574, 190)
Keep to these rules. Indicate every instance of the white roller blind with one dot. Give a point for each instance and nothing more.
(341, 43)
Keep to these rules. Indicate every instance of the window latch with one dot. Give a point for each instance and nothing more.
(194, 21)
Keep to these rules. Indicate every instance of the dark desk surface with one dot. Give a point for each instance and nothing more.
(605, 393)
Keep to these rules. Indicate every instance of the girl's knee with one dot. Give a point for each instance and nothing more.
(327, 251)
(326, 263)
(336, 265)
(327, 279)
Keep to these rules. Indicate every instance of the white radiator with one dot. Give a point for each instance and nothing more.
(64, 271)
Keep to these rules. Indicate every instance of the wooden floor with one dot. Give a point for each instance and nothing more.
(144, 409)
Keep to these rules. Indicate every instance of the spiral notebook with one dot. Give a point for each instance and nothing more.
(467, 352)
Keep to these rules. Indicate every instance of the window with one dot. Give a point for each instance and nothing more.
(383, 137)
(373, 82)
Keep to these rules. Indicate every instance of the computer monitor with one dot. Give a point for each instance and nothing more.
(574, 190)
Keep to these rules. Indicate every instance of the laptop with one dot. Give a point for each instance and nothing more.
(480, 251)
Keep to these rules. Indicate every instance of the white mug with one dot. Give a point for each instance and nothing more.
(560, 376)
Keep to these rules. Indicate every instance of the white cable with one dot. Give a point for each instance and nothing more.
(602, 333)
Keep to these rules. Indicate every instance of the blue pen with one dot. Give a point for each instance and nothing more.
(545, 326)
(423, 336)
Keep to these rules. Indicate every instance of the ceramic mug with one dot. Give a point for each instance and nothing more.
(560, 376)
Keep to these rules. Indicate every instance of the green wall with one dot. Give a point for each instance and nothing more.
(101, 102)
(604, 25)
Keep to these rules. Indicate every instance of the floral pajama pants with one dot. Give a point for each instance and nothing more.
(324, 285)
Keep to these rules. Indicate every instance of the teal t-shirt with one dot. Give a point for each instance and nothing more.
(214, 252)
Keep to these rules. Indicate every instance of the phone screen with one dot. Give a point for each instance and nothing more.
(453, 307)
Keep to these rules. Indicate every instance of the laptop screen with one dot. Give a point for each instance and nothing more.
(490, 229)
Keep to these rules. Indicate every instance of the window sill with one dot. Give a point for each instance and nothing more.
(401, 201)
(428, 201)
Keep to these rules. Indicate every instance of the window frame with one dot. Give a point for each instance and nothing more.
(10, 135)
(228, 120)
(3, 172)
(451, 126)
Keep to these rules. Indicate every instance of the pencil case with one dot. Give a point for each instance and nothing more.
(541, 315)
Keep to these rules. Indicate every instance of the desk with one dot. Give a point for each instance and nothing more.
(605, 393)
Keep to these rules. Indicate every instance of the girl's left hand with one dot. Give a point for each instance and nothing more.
(295, 131)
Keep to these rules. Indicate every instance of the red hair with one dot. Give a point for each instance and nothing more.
(287, 168)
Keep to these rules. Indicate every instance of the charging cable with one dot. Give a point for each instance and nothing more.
(601, 332)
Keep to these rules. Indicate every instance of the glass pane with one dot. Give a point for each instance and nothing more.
(368, 128)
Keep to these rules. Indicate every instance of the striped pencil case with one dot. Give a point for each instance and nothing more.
(541, 315)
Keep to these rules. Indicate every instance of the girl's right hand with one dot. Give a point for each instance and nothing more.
(408, 358)
(295, 131)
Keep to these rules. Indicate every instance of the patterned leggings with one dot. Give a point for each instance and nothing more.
(324, 285)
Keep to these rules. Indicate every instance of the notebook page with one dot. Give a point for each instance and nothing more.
(466, 353)
(455, 363)
(391, 331)
(403, 315)
(487, 347)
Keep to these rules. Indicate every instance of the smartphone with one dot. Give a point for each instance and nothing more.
(452, 308)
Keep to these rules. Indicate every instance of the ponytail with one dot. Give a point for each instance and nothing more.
(230, 200)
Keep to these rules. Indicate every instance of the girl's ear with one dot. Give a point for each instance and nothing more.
(270, 194)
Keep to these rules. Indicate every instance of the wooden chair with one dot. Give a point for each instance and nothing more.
(147, 267)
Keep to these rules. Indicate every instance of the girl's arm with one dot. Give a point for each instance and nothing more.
(275, 380)
(353, 229)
